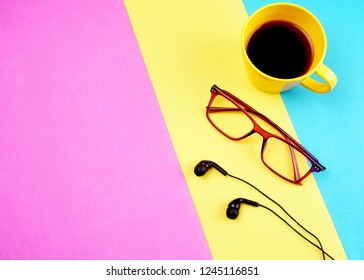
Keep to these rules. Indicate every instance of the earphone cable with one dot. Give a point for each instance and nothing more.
(300, 234)
(293, 219)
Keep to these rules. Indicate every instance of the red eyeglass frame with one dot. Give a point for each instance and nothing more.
(316, 166)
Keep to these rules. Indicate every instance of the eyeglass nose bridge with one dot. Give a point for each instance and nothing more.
(259, 130)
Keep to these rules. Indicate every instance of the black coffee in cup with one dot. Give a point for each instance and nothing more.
(280, 49)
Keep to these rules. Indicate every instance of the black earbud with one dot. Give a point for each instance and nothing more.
(232, 211)
(204, 165)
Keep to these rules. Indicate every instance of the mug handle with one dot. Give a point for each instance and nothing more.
(324, 73)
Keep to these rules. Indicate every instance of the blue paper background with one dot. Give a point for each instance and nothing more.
(332, 125)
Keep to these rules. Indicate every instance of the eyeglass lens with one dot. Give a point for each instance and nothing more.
(277, 155)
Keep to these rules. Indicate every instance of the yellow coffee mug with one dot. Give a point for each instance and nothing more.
(304, 20)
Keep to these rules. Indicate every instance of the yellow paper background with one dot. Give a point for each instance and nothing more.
(187, 47)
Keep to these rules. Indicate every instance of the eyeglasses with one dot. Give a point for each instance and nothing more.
(282, 154)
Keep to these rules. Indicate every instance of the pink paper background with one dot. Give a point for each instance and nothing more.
(87, 168)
